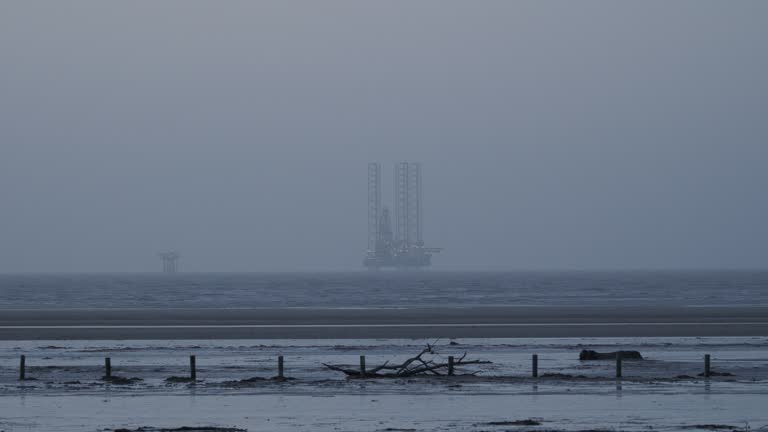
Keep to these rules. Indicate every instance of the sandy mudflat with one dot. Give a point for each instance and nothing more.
(282, 323)
(663, 392)
(65, 390)
(379, 413)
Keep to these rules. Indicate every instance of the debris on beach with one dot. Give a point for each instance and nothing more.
(423, 364)
(594, 355)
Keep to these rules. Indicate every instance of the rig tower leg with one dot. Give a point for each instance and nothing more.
(170, 261)
(374, 205)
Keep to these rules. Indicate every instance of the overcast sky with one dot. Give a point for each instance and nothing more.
(553, 135)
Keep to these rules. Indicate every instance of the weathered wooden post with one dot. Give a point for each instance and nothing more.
(192, 368)
(706, 366)
(362, 366)
(618, 364)
(107, 367)
(450, 365)
(22, 367)
(280, 366)
(535, 366)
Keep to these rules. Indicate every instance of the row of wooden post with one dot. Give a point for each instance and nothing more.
(707, 371)
(193, 367)
(535, 365)
(281, 369)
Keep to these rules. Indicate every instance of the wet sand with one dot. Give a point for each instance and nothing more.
(382, 412)
(310, 323)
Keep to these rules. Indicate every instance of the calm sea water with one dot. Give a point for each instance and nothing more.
(382, 289)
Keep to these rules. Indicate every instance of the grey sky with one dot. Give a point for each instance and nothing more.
(573, 134)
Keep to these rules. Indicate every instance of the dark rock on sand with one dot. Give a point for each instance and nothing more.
(594, 355)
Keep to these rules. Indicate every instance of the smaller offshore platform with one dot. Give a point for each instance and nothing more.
(170, 261)
(402, 246)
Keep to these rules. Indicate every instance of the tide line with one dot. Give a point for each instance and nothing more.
(460, 325)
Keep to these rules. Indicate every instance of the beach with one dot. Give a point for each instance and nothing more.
(238, 326)
(65, 389)
(401, 322)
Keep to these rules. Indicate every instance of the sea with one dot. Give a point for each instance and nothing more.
(383, 289)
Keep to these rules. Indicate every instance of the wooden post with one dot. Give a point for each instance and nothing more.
(107, 367)
(362, 365)
(450, 365)
(618, 365)
(192, 368)
(706, 366)
(22, 368)
(280, 366)
(535, 365)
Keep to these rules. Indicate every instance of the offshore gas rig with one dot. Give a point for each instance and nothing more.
(404, 247)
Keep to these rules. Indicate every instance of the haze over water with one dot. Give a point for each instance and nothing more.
(385, 289)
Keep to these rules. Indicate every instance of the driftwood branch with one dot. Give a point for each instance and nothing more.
(424, 363)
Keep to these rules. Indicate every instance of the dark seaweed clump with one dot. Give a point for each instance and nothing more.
(182, 429)
(714, 374)
(526, 422)
(712, 427)
(118, 380)
(558, 375)
(179, 379)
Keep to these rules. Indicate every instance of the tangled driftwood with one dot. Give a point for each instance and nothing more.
(424, 363)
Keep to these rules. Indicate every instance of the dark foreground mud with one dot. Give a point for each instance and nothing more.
(182, 429)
